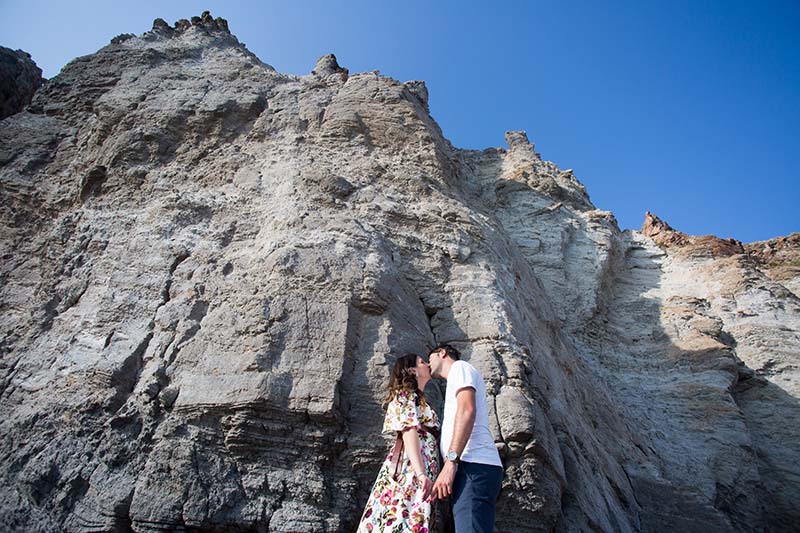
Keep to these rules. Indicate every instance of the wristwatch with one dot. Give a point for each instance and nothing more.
(452, 455)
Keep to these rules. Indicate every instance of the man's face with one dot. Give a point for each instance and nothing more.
(435, 361)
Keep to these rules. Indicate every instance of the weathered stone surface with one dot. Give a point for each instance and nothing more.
(779, 259)
(209, 267)
(19, 79)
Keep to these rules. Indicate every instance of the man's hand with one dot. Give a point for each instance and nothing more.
(443, 487)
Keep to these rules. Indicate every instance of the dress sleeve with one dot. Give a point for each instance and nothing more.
(401, 413)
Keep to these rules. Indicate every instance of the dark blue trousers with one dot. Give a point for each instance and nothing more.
(475, 490)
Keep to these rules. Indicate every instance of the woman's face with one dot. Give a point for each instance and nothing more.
(423, 369)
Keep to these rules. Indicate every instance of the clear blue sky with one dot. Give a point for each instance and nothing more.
(689, 109)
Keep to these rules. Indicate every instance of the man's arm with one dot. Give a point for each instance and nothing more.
(462, 429)
(465, 419)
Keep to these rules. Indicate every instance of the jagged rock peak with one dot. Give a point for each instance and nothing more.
(524, 164)
(517, 141)
(161, 28)
(205, 20)
(19, 79)
(327, 65)
(664, 235)
(661, 232)
(420, 90)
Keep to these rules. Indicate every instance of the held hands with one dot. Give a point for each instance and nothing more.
(443, 487)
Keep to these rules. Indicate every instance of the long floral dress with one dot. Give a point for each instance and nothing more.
(397, 506)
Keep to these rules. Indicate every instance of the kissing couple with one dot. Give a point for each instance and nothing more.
(410, 480)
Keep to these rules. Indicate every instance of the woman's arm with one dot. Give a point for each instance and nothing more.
(414, 451)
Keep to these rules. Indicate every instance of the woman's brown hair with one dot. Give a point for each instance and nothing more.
(403, 379)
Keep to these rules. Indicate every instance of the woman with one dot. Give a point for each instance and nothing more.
(399, 499)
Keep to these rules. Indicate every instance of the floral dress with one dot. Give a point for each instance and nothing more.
(395, 504)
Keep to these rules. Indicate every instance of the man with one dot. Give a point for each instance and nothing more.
(472, 471)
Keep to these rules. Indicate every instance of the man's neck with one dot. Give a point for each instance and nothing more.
(446, 368)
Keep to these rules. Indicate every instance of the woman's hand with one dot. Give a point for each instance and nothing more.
(426, 484)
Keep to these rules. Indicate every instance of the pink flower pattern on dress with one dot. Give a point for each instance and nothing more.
(396, 506)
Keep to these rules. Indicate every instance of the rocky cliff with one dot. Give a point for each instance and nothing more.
(19, 79)
(209, 267)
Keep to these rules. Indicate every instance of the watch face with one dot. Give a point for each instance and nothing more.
(452, 456)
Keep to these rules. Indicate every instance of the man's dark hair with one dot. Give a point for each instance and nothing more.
(450, 352)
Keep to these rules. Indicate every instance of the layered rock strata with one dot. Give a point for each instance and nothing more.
(209, 268)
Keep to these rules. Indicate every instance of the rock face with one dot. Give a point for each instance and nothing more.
(209, 267)
(779, 259)
(19, 79)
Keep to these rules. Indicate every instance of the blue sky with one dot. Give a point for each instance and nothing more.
(688, 109)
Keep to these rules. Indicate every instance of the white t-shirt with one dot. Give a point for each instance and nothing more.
(480, 447)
